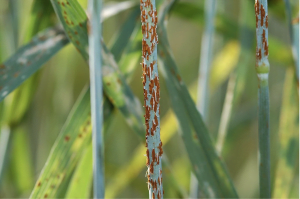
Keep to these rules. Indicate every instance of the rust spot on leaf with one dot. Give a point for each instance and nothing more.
(16, 74)
(67, 138)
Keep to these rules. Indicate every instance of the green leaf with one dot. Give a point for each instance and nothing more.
(288, 138)
(81, 182)
(203, 155)
(115, 86)
(68, 148)
(29, 58)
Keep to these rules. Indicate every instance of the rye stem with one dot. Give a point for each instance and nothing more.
(151, 98)
(95, 62)
(262, 70)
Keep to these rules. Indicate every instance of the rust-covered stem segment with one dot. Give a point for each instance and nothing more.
(151, 98)
(262, 70)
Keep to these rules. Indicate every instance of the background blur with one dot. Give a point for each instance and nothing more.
(60, 81)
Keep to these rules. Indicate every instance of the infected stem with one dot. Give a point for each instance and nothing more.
(262, 70)
(151, 98)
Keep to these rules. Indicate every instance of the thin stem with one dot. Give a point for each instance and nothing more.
(205, 58)
(204, 71)
(95, 62)
(151, 98)
(226, 113)
(262, 70)
(294, 34)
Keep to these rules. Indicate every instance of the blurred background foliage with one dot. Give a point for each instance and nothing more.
(36, 116)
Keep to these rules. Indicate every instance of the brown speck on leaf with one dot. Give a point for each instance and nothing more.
(77, 42)
(80, 24)
(46, 195)
(2, 66)
(88, 123)
(67, 138)
(39, 184)
(68, 3)
(65, 12)
(62, 4)
(179, 78)
(80, 135)
(119, 81)
(16, 74)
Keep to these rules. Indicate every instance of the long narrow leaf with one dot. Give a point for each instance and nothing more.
(81, 182)
(220, 180)
(204, 73)
(73, 189)
(115, 86)
(68, 148)
(29, 58)
(289, 139)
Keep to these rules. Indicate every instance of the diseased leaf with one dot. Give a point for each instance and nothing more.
(67, 150)
(29, 58)
(115, 86)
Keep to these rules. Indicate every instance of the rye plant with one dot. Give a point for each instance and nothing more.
(59, 121)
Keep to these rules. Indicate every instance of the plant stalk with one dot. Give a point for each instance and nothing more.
(151, 98)
(262, 70)
(203, 78)
(95, 61)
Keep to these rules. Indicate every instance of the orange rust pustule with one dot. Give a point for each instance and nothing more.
(256, 5)
(266, 48)
(160, 149)
(147, 156)
(151, 167)
(258, 55)
(267, 21)
(262, 15)
(153, 155)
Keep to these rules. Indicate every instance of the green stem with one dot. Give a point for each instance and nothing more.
(204, 72)
(262, 69)
(95, 62)
(264, 140)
